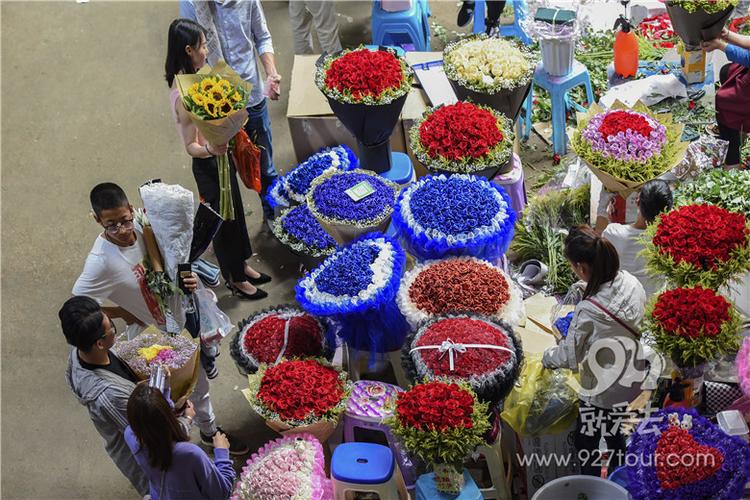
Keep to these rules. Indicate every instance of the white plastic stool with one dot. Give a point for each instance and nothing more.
(353, 358)
(494, 456)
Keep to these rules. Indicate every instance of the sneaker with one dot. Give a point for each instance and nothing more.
(235, 447)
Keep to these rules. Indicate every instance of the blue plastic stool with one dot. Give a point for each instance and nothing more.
(402, 171)
(520, 10)
(558, 87)
(620, 476)
(426, 489)
(364, 467)
(401, 28)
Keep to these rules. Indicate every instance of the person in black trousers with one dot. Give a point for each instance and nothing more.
(494, 10)
(187, 52)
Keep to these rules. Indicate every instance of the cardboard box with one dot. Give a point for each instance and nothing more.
(312, 124)
(693, 65)
(557, 446)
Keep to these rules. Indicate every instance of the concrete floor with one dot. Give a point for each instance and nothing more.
(84, 101)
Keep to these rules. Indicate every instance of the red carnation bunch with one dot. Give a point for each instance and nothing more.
(620, 121)
(701, 239)
(693, 325)
(301, 390)
(474, 361)
(265, 338)
(459, 285)
(691, 312)
(436, 406)
(365, 73)
(461, 130)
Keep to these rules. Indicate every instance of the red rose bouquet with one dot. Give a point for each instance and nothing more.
(366, 90)
(303, 395)
(463, 138)
(699, 245)
(441, 423)
(693, 325)
(279, 332)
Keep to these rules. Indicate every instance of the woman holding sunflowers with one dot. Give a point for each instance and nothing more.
(186, 53)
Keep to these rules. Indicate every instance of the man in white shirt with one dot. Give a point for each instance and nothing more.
(114, 272)
(654, 198)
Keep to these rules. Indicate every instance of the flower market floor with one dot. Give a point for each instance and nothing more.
(85, 102)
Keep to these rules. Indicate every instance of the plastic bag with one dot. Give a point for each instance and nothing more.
(247, 161)
(214, 324)
(562, 313)
(543, 401)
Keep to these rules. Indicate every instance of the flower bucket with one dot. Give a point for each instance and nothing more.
(448, 479)
(692, 378)
(557, 55)
(699, 26)
(507, 102)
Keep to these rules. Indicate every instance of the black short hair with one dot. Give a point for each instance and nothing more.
(106, 196)
(655, 198)
(81, 320)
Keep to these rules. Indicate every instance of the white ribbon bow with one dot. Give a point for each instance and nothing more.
(450, 347)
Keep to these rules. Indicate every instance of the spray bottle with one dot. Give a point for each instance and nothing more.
(626, 48)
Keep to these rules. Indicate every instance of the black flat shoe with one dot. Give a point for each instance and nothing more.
(260, 280)
(258, 295)
(466, 14)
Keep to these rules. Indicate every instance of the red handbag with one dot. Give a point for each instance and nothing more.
(247, 161)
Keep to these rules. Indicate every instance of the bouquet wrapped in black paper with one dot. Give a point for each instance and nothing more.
(696, 21)
(366, 90)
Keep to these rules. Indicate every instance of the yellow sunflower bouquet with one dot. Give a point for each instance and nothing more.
(216, 99)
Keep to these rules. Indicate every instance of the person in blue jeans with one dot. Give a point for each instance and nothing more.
(175, 467)
(235, 32)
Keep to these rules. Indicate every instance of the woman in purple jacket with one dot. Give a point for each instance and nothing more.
(175, 467)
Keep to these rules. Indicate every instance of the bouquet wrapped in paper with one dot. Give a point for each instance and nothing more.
(298, 229)
(177, 352)
(349, 204)
(697, 21)
(463, 138)
(699, 245)
(297, 182)
(299, 396)
(291, 467)
(627, 147)
(158, 282)
(277, 197)
(215, 99)
(459, 285)
(279, 332)
(680, 455)
(356, 287)
(495, 72)
(461, 214)
(485, 354)
(441, 422)
(366, 89)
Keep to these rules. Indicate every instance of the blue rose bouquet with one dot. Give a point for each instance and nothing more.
(455, 215)
(344, 216)
(356, 286)
(297, 181)
(678, 454)
(297, 228)
(277, 197)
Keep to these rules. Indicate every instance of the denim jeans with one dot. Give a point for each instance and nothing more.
(258, 128)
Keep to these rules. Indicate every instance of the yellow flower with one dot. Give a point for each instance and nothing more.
(207, 84)
(199, 99)
(225, 107)
(149, 353)
(224, 84)
(211, 108)
(194, 88)
(217, 94)
(236, 97)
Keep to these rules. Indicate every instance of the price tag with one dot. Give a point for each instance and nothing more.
(360, 191)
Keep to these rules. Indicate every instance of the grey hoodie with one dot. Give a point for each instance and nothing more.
(611, 359)
(106, 397)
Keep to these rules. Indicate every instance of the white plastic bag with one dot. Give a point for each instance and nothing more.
(215, 325)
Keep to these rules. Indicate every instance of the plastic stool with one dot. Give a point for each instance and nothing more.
(494, 457)
(514, 184)
(426, 489)
(365, 468)
(409, 26)
(520, 10)
(402, 171)
(394, 358)
(366, 409)
(558, 86)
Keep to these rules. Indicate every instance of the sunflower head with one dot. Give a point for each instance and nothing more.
(236, 97)
(225, 107)
(217, 94)
(194, 89)
(207, 84)
(224, 84)
(198, 98)
(211, 108)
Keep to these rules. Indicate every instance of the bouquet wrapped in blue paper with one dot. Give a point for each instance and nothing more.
(299, 230)
(356, 286)
(457, 215)
(277, 197)
(349, 204)
(298, 180)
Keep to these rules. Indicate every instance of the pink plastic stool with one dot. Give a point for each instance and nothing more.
(366, 409)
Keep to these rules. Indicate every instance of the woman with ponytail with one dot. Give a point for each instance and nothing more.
(603, 344)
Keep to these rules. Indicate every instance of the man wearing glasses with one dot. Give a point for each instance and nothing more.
(114, 272)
